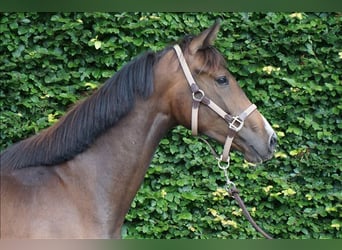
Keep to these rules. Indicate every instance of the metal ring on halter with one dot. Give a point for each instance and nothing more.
(219, 163)
(198, 95)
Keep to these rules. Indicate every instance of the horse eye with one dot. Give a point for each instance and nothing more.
(222, 80)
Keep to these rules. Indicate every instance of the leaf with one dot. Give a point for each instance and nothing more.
(189, 196)
(97, 44)
(19, 50)
(336, 224)
(289, 192)
(291, 221)
(184, 216)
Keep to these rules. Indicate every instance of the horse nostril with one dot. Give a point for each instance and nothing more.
(273, 141)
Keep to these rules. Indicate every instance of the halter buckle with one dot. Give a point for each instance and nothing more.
(236, 124)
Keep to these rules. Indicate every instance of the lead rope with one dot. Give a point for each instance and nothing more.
(230, 187)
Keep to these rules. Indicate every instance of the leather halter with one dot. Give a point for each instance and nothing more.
(235, 123)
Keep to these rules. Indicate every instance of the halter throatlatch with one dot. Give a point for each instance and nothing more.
(235, 123)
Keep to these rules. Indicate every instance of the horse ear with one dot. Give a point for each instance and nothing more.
(206, 38)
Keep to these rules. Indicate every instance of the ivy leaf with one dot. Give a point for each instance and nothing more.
(97, 44)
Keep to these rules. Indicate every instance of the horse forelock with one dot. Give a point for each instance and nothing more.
(79, 128)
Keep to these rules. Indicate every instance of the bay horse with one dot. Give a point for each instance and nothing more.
(77, 178)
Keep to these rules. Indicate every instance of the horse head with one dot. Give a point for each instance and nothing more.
(211, 79)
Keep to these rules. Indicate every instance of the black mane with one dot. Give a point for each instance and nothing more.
(78, 129)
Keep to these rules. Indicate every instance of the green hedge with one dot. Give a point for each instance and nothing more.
(289, 64)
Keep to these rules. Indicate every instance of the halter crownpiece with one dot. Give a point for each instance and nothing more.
(235, 123)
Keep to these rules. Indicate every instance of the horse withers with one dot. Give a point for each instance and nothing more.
(77, 178)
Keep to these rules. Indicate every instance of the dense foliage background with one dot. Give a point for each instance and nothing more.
(289, 64)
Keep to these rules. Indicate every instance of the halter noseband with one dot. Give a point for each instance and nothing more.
(235, 123)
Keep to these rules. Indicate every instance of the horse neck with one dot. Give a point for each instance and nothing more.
(114, 167)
